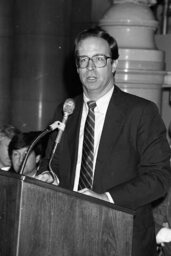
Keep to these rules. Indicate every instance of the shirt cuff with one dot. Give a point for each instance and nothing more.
(109, 197)
(163, 236)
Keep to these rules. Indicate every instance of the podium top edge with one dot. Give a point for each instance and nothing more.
(30, 180)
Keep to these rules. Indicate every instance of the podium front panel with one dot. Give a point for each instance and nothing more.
(50, 221)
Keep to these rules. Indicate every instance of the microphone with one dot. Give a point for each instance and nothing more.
(68, 108)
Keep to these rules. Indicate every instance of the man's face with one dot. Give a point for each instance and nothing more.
(96, 81)
(17, 159)
(4, 157)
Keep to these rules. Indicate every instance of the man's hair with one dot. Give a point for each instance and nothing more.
(22, 140)
(8, 131)
(97, 31)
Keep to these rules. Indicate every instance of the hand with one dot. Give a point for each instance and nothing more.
(47, 177)
(163, 236)
(89, 192)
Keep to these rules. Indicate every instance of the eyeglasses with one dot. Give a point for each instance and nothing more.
(98, 60)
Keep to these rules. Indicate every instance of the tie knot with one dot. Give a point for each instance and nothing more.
(91, 104)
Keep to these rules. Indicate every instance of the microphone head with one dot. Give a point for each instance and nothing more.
(69, 106)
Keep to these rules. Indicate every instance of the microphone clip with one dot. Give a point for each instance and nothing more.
(57, 124)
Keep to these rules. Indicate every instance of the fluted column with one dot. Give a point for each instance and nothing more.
(141, 64)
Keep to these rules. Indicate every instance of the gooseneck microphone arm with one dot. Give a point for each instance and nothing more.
(51, 127)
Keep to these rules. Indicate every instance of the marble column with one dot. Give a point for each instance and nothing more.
(141, 65)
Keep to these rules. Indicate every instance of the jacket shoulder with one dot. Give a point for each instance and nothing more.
(131, 100)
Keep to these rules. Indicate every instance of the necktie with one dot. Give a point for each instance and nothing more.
(86, 171)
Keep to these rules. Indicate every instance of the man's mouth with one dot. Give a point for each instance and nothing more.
(92, 78)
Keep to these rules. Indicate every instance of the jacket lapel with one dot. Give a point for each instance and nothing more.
(112, 126)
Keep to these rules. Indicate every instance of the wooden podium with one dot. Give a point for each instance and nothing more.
(39, 219)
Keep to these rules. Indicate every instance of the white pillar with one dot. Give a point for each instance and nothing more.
(141, 65)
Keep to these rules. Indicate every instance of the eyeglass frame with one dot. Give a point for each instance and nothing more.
(91, 58)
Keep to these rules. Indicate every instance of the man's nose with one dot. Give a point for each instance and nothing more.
(91, 64)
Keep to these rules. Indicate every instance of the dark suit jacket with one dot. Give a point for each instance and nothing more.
(132, 162)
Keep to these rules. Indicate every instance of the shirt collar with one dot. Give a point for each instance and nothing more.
(101, 103)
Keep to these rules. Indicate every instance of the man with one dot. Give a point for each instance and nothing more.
(130, 155)
(6, 134)
(18, 148)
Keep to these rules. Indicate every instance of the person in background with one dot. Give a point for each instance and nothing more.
(162, 218)
(6, 134)
(18, 148)
(114, 146)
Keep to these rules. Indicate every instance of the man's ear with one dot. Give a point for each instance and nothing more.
(114, 65)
